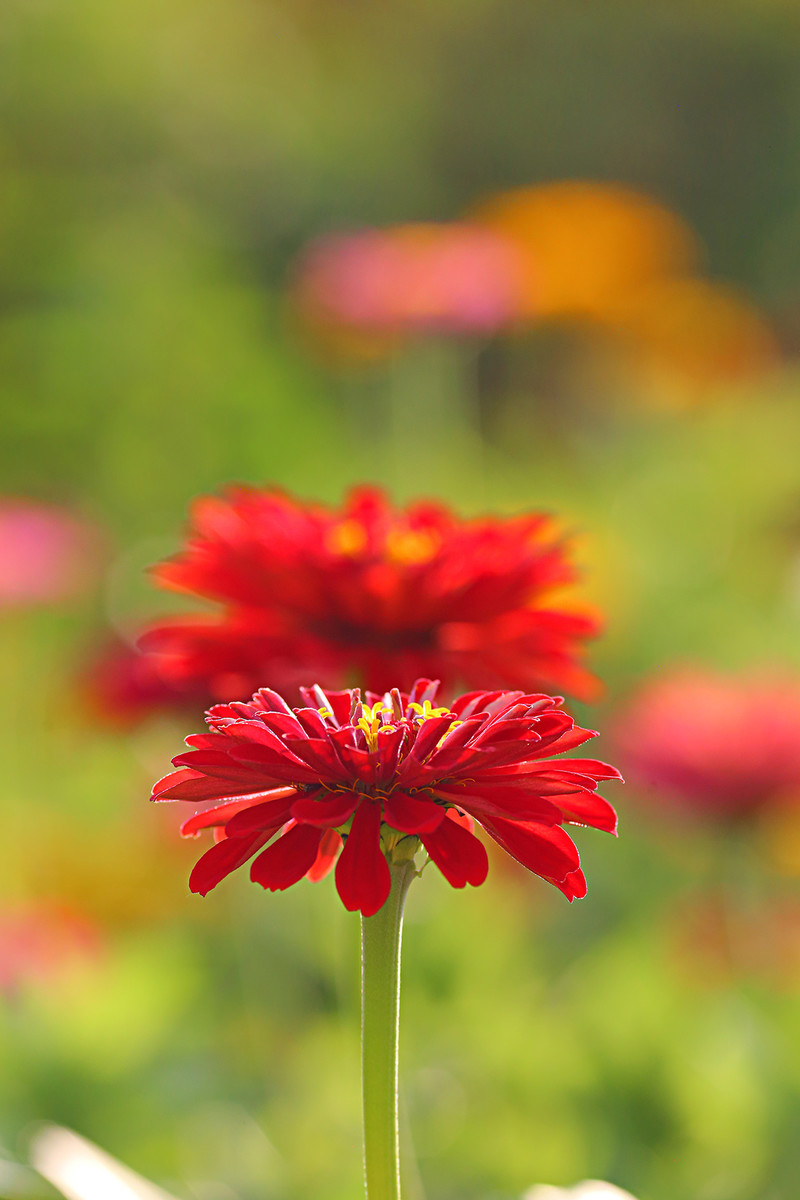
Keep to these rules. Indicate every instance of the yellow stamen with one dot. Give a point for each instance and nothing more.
(372, 721)
(411, 545)
(424, 711)
(348, 538)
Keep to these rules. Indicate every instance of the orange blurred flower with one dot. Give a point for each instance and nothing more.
(684, 335)
(585, 247)
(40, 941)
(613, 265)
(717, 937)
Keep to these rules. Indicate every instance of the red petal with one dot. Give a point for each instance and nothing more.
(586, 808)
(573, 887)
(261, 816)
(325, 808)
(191, 785)
(219, 764)
(457, 853)
(410, 814)
(504, 800)
(220, 815)
(461, 818)
(288, 859)
(592, 767)
(546, 851)
(208, 741)
(224, 857)
(168, 782)
(266, 762)
(429, 733)
(319, 757)
(363, 879)
(337, 703)
(422, 690)
(329, 847)
(564, 741)
(312, 723)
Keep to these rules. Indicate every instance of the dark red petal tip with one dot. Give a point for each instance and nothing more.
(363, 878)
(288, 859)
(458, 854)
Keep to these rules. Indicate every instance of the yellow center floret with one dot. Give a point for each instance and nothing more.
(424, 711)
(374, 718)
(411, 547)
(348, 538)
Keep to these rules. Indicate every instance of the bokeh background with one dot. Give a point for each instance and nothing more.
(188, 297)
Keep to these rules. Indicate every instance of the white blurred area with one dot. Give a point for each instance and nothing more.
(590, 1189)
(79, 1170)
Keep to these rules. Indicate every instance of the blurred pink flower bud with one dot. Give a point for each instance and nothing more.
(453, 278)
(40, 941)
(720, 746)
(47, 554)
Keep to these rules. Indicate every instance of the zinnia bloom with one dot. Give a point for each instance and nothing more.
(369, 595)
(585, 246)
(720, 746)
(384, 775)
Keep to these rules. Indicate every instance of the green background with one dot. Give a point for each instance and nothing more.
(161, 164)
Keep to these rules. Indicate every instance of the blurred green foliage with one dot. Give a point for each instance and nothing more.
(160, 165)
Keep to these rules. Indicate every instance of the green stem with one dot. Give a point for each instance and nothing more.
(380, 1010)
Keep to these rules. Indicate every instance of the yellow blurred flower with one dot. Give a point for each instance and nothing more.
(682, 336)
(584, 247)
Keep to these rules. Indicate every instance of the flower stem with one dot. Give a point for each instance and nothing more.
(380, 1009)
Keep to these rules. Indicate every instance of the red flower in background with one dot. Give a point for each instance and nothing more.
(719, 745)
(292, 784)
(367, 594)
(121, 684)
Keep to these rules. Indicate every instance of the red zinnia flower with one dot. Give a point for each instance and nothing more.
(368, 594)
(384, 775)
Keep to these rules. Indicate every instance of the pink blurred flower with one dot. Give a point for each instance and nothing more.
(453, 278)
(724, 746)
(47, 554)
(40, 941)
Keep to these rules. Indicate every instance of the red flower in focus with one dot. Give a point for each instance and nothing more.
(722, 746)
(385, 775)
(368, 594)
